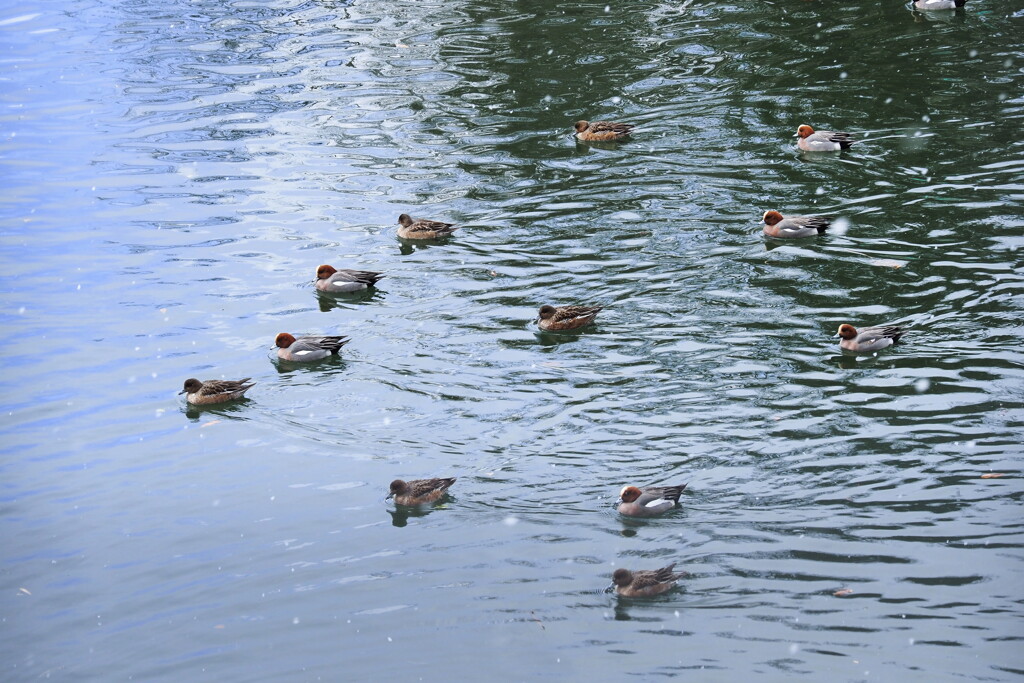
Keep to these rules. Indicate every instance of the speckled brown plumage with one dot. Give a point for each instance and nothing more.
(566, 317)
(645, 583)
(602, 131)
(215, 390)
(423, 228)
(419, 491)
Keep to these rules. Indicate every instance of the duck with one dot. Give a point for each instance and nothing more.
(602, 131)
(777, 225)
(649, 501)
(822, 140)
(939, 4)
(423, 228)
(553, 318)
(215, 390)
(305, 349)
(868, 339)
(645, 583)
(330, 279)
(419, 491)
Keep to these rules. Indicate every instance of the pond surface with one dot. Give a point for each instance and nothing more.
(175, 171)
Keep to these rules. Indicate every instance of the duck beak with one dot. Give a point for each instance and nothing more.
(618, 502)
(835, 336)
(610, 588)
(388, 497)
(182, 392)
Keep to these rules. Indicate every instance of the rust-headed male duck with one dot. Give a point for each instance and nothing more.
(330, 279)
(777, 225)
(305, 349)
(649, 501)
(822, 140)
(868, 339)
(938, 4)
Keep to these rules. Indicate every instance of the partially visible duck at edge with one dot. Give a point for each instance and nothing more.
(419, 491)
(423, 228)
(645, 583)
(602, 131)
(938, 4)
(822, 140)
(868, 339)
(305, 349)
(554, 318)
(649, 501)
(215, 390)
(330, 279)
(777, 225)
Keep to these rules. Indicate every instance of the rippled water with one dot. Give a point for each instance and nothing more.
(175, 171)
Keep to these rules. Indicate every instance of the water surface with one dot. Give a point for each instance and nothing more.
(175, 171)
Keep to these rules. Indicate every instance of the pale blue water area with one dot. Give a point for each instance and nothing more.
(174, 172)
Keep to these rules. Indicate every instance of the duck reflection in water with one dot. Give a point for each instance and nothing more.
(330, 302)
(400, 515)
(227, 410)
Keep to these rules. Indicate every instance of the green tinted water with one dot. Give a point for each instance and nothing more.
(174, 174)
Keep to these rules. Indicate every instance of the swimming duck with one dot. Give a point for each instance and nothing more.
(938, 4)
(215, 390)
(566, 317)
(330, 279)
(868, 339)
(645, 583)
(650, 501)
(419, 491)
(423, 228)
(777, 225)
(305, 349)
(822, 141)
(602, 131)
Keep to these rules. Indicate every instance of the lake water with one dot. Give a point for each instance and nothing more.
(175, 171)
